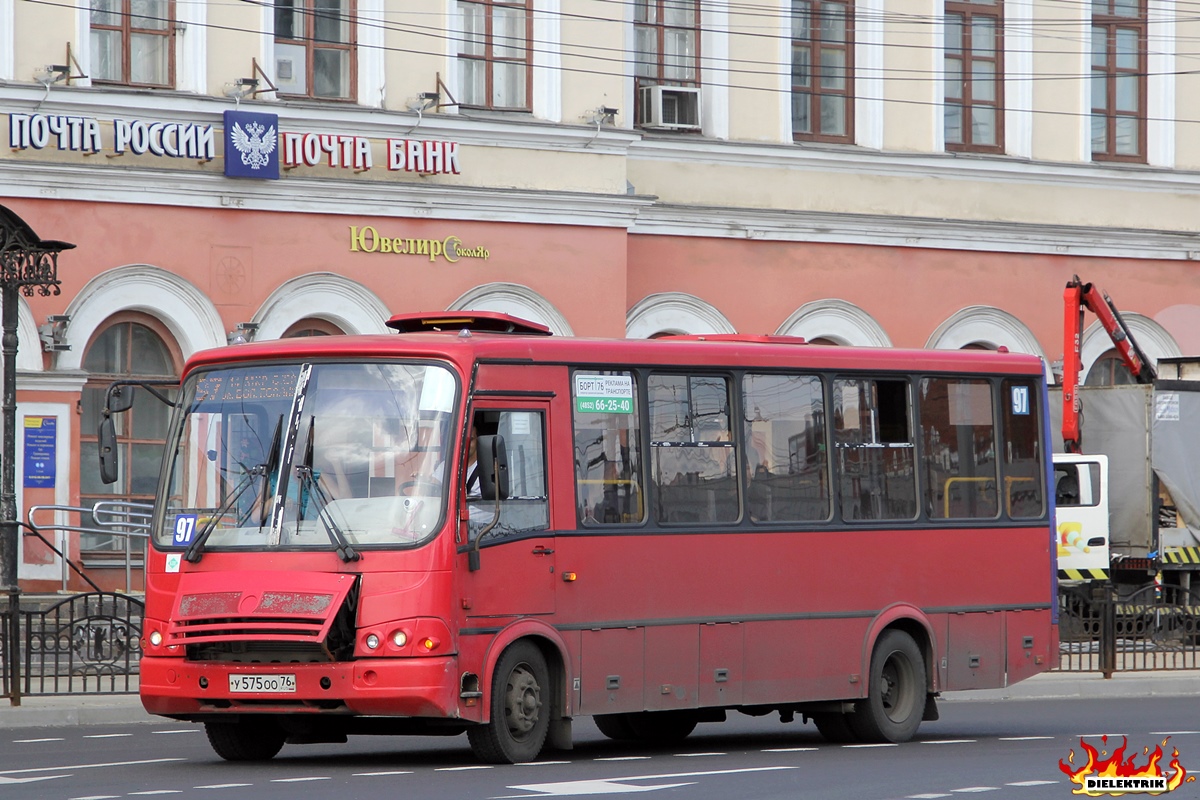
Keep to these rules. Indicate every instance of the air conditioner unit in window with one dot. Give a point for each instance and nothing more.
(675, 108)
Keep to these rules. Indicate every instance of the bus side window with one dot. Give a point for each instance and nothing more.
(608, 458)
(958, 435)
(875, 471)
(693, 460)
(1024, 482)
(786, 458)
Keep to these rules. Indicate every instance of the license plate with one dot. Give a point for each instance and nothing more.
(266, 684)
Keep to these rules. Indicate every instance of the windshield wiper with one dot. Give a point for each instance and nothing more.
(312, 481)
(193, 552)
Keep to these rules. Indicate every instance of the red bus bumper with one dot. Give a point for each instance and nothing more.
(411, 687)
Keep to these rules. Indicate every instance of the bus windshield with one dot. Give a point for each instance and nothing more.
(313, 455)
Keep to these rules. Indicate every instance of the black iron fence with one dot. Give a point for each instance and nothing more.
(1101, 629)
(84, 644)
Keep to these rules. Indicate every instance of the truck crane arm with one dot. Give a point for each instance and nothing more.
(1078, 297)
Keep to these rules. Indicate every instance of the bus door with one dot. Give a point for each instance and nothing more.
(515, 574)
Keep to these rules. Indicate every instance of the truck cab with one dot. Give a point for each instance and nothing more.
(1081, 516)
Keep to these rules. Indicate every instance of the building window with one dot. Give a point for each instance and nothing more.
(126, 349)
(311, 326)
(314, 48)
(666, 48)
(1119, 80)
(133, 42)
(822, 70)
(494, 54)
(1109, 370)
(974, 109)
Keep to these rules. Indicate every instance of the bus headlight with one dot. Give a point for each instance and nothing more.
(399, 638)
(372, 641)
(155, 638)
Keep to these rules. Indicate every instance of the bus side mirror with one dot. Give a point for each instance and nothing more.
(493, 468)
(120, 398)
(110, 467)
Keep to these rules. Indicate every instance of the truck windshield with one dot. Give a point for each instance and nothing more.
(323, 456)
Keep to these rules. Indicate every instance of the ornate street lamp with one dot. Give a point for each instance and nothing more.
(27, 264)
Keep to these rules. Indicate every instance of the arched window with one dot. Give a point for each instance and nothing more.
(129, 347)
(1109, 370)
(312, 327)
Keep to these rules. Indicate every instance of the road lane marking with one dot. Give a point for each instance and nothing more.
(790, 749)
(157, 791)
(976, 789)
(538, 763)
(623, 785)
(224, 786)
(1032, 783)
(1023, 738)
(1174, 733)
(380, 774)
(91, 766)
(698, 755)
(181, 730)
(107, 735)
(36, 741)
(98, 797)
(863, 746)
(5, 781)
(624, 758)
(926, 796)
(301, 780)
(949, 741)
(461, 769)
(1099, 735)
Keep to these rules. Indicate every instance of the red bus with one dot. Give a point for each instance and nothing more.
(665, 532)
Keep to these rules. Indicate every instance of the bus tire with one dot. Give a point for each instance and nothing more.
(247, 740)
(896, 691)
(520, 717)
(662, 727)
(834, 727)
(615, 726)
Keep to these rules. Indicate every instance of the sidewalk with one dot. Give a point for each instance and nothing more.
(127, 709)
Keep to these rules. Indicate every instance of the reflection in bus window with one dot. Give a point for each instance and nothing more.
(1024, 483)
(873, 439)
(959, 456)
(694, 466)
(784, 419)
(608, 459)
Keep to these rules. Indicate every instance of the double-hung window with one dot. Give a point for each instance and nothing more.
(494, 54)
(1119, 80)
(822, 70)
(667, 51)
(314, 48)
(133, 42)
(974, 68)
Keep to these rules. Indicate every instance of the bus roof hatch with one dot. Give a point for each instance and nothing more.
(489, 321)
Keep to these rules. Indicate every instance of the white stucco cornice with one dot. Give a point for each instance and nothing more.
(324, 295)
(898, 231)
(317, 195)
(69, 381)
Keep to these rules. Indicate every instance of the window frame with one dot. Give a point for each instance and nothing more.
(489, 59)
(1111, 23)
(127, 30)
(967, 102)
(815, 45)
(306, 11)
(660, 29)
(126, 441)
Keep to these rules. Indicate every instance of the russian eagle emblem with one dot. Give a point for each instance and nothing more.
(255, 143)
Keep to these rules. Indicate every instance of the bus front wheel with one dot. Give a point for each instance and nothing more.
(896, 691)
(248, 740)
(520, 713)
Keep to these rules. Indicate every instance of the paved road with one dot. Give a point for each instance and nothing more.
(1001, 748)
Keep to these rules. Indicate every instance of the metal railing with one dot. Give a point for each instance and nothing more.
(1153, 628)
(122, 518)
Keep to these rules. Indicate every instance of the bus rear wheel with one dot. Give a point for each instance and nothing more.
(247, 740)
(896, 691)
(520, 715)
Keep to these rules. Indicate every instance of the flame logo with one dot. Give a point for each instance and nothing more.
(1117, 766)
